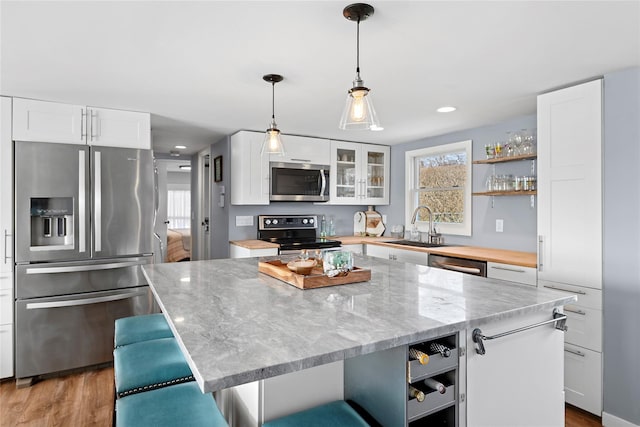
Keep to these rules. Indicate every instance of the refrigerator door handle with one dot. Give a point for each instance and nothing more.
(81, 202)
(77, 268)
(84, 301)
(97, 194)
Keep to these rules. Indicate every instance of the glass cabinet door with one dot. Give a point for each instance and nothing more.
(376, 161)
(359, 174)
(346, 173)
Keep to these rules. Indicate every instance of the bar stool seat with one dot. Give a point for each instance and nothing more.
(149, 365)
(178, 405)
(129, 330)
(334, 414)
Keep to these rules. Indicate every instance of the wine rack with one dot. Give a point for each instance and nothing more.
(431, 386)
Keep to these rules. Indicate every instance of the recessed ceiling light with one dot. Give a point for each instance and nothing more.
(185, 167)
(447, 109)
(174, 153)
(376, 128)
(180, 147)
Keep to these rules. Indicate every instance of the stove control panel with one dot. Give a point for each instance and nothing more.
(288, 222)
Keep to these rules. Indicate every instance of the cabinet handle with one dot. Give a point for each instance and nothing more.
(540, 242)
(565, 290)
(94, 125)
(576, 352)
(515, 270)
(83, 124)
(580, 312)
(301, 160)
(6, 235)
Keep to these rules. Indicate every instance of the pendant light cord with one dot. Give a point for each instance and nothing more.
(273, 104)
(358, 49)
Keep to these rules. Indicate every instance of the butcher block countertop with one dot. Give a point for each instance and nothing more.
(523, 259)
(254, 244)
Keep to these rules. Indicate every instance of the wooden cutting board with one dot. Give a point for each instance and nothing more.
(317, 279)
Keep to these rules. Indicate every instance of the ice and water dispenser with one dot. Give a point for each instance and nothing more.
(52, 222)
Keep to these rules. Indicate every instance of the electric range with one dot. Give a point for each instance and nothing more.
(293, 232)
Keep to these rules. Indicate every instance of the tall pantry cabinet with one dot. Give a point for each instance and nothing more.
(570, 228)
(6, 252)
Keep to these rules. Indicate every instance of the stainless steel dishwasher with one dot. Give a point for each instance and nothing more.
(462, 265)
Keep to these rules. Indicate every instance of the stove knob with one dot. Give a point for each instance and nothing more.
(275, 221)
(311, 221)
(267, 221)
(304, 221)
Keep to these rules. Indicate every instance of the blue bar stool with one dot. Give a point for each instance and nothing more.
(149, 365)
(178, 405)
(334, 414)
(129, 330)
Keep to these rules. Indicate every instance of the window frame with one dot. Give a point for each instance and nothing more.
(411, 199)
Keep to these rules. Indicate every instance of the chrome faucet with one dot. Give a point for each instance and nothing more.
(433, 236)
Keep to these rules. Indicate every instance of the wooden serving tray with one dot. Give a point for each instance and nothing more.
(317, 279)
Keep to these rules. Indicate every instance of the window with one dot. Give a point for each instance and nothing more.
(440, 177)
(179, 208)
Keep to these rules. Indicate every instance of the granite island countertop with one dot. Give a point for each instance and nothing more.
(236, 325)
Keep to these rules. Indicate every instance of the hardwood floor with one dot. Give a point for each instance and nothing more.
(80, 399)
(86, 399)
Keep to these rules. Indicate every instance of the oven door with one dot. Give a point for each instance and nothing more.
(297, 182)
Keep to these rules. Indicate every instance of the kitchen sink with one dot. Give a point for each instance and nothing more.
(416, 244)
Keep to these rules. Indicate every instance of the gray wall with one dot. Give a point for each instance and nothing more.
(519, 217)
(621, 243)
(219, 218)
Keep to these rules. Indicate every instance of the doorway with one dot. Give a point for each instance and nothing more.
(173, 210)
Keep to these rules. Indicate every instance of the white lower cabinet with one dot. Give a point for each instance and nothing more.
(356, 249)
(6, 351)
(583, 378)
(512, 273)
(6, 324)
(402, 255)
(519, 379)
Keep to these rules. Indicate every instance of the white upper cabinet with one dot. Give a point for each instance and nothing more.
(570, 185)
(48, 121)
(304, 149)
(249, 169)
(359, 174)
(43, 121)
(117, 128)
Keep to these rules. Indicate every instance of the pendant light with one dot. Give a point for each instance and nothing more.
(272, 142)
(359, 113)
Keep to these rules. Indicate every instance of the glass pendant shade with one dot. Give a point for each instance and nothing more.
(358, 113)
(272, 143)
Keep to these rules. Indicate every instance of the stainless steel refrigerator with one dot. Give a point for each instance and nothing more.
(83, 230)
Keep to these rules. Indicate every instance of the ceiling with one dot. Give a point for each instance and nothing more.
(197, 67)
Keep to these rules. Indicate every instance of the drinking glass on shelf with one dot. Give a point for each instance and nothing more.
(490, 151)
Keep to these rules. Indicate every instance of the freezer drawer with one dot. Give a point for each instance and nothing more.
(64, 278)
(66, 332)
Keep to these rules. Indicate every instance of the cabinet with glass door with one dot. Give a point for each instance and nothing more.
(359, 174)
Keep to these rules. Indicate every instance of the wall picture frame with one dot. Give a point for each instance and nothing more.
(217, 169)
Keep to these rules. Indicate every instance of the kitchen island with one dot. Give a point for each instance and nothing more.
(238, 326)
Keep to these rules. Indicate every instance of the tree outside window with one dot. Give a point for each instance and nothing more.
(440, 177)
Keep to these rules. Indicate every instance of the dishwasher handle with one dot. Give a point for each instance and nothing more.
(459, 268)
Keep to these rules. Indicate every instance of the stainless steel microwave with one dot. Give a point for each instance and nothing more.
(299, 182)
